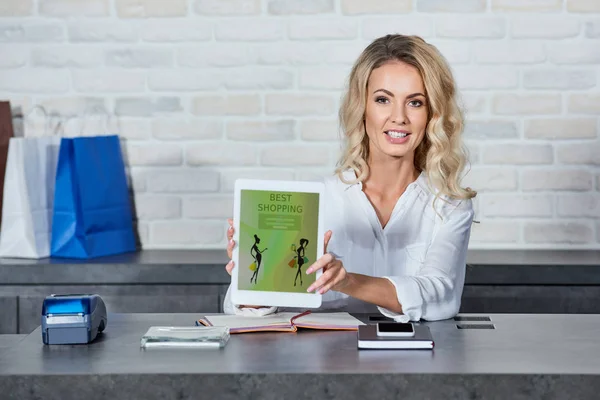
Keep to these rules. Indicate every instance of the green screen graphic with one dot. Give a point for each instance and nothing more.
(278, 240)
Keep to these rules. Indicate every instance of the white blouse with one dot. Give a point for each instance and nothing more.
(423, 253)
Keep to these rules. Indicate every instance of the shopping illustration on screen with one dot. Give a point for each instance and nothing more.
(277, 236)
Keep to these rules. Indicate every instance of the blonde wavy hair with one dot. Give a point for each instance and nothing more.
(441, 154)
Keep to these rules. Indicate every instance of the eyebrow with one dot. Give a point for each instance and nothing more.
(410, 96)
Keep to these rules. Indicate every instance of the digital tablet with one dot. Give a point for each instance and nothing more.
(278, 235)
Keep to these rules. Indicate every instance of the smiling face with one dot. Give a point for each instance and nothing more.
(396, 111)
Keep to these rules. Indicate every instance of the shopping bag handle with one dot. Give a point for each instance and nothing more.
(80, 128)
(94, 111)
(49, 130)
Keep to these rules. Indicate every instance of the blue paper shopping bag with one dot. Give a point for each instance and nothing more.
(92, 213)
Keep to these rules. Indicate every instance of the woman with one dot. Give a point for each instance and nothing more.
(399, 222)
(300, 258)
(257, 255)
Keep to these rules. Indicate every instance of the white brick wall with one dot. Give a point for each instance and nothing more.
(204, 92)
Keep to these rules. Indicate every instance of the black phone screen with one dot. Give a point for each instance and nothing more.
(392, 327)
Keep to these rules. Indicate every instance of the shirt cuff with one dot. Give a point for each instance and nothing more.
(230, 308)
(409, 297)
(254, 312)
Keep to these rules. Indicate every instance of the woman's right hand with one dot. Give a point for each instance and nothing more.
(230, 244)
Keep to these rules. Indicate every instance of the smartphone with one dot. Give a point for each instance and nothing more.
(395, 329)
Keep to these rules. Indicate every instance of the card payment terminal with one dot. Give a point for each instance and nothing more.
(72, 318)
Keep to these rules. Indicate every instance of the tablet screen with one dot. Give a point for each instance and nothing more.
(277, 240)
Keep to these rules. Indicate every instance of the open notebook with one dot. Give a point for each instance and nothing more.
(283, 322)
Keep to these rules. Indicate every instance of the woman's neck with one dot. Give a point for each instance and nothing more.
(388, 178)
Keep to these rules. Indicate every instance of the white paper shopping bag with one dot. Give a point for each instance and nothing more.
(29, 197)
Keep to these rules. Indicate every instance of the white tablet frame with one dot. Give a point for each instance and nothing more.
(266, 298)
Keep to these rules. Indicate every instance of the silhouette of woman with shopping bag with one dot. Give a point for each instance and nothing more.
(301, 259)
(257, 255)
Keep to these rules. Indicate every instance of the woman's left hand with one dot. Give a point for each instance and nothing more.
(334, 276)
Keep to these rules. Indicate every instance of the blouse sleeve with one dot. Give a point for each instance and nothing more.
(230, 308)
(434, 293)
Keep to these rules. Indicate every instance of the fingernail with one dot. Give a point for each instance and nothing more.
(310, 289)
(231, 242)
(309, 271)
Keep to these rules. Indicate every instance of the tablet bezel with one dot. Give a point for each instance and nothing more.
(266, 298)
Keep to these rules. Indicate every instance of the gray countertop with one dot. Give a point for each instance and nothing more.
(8, 341)
(519, 344)
(525, 355)
(581, 267)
